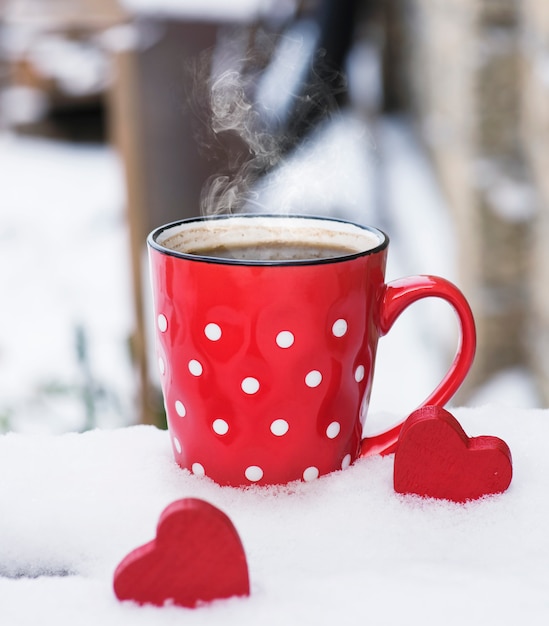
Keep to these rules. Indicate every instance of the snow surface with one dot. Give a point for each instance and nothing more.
(64, 264)
(342, 549)
(198, 9)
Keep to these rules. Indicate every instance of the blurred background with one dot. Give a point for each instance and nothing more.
(426, 118)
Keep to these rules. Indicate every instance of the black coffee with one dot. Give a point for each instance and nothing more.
(275, 251)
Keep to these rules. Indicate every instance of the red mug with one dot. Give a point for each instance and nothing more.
(266, 360)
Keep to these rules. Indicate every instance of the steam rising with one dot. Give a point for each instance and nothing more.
(257, 99)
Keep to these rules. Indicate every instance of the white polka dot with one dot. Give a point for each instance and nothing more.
(359, 373)
(180, 408)
(333, 430)
(177, 445)
(285, 339)
(313, 378)
(339, 328)
(212, 332)
(162, 323)
(253, 473)
(195, 367)
(198, 469)
(346, 461)
(311, 473)
(250, 385)
(279, 427)
(161, 365)
(220, 427)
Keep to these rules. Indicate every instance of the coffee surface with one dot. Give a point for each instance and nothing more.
(276, 251)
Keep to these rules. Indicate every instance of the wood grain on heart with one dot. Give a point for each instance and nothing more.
(435, 458)
(196, 557)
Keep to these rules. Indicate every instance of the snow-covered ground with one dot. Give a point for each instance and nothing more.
(64, 279)
(342, 549)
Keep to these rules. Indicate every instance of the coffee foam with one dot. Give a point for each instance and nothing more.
(193, 236)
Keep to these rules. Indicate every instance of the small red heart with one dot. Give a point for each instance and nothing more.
(197, 557)
(435, 458)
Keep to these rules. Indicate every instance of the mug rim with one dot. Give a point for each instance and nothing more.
(154, 244)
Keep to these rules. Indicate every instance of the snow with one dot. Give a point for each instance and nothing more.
(64, 263)
(511, 200)
(324, 552)
(78, 68)
(197, 9)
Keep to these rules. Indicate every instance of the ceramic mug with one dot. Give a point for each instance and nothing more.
(266, 364)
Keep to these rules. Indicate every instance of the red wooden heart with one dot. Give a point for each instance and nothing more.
(435, 458)
(197, 557)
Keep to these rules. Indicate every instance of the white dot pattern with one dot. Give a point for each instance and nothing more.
(250, 385)
(311, 473)
(280, 427)
(253, 473)
(220, 427)
(162, 323)
(285, 339)
(195, 367)
(339, 328)
(213, 332)
(313, 378)
(198, 469)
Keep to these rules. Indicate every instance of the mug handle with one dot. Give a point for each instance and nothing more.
(397, 296)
